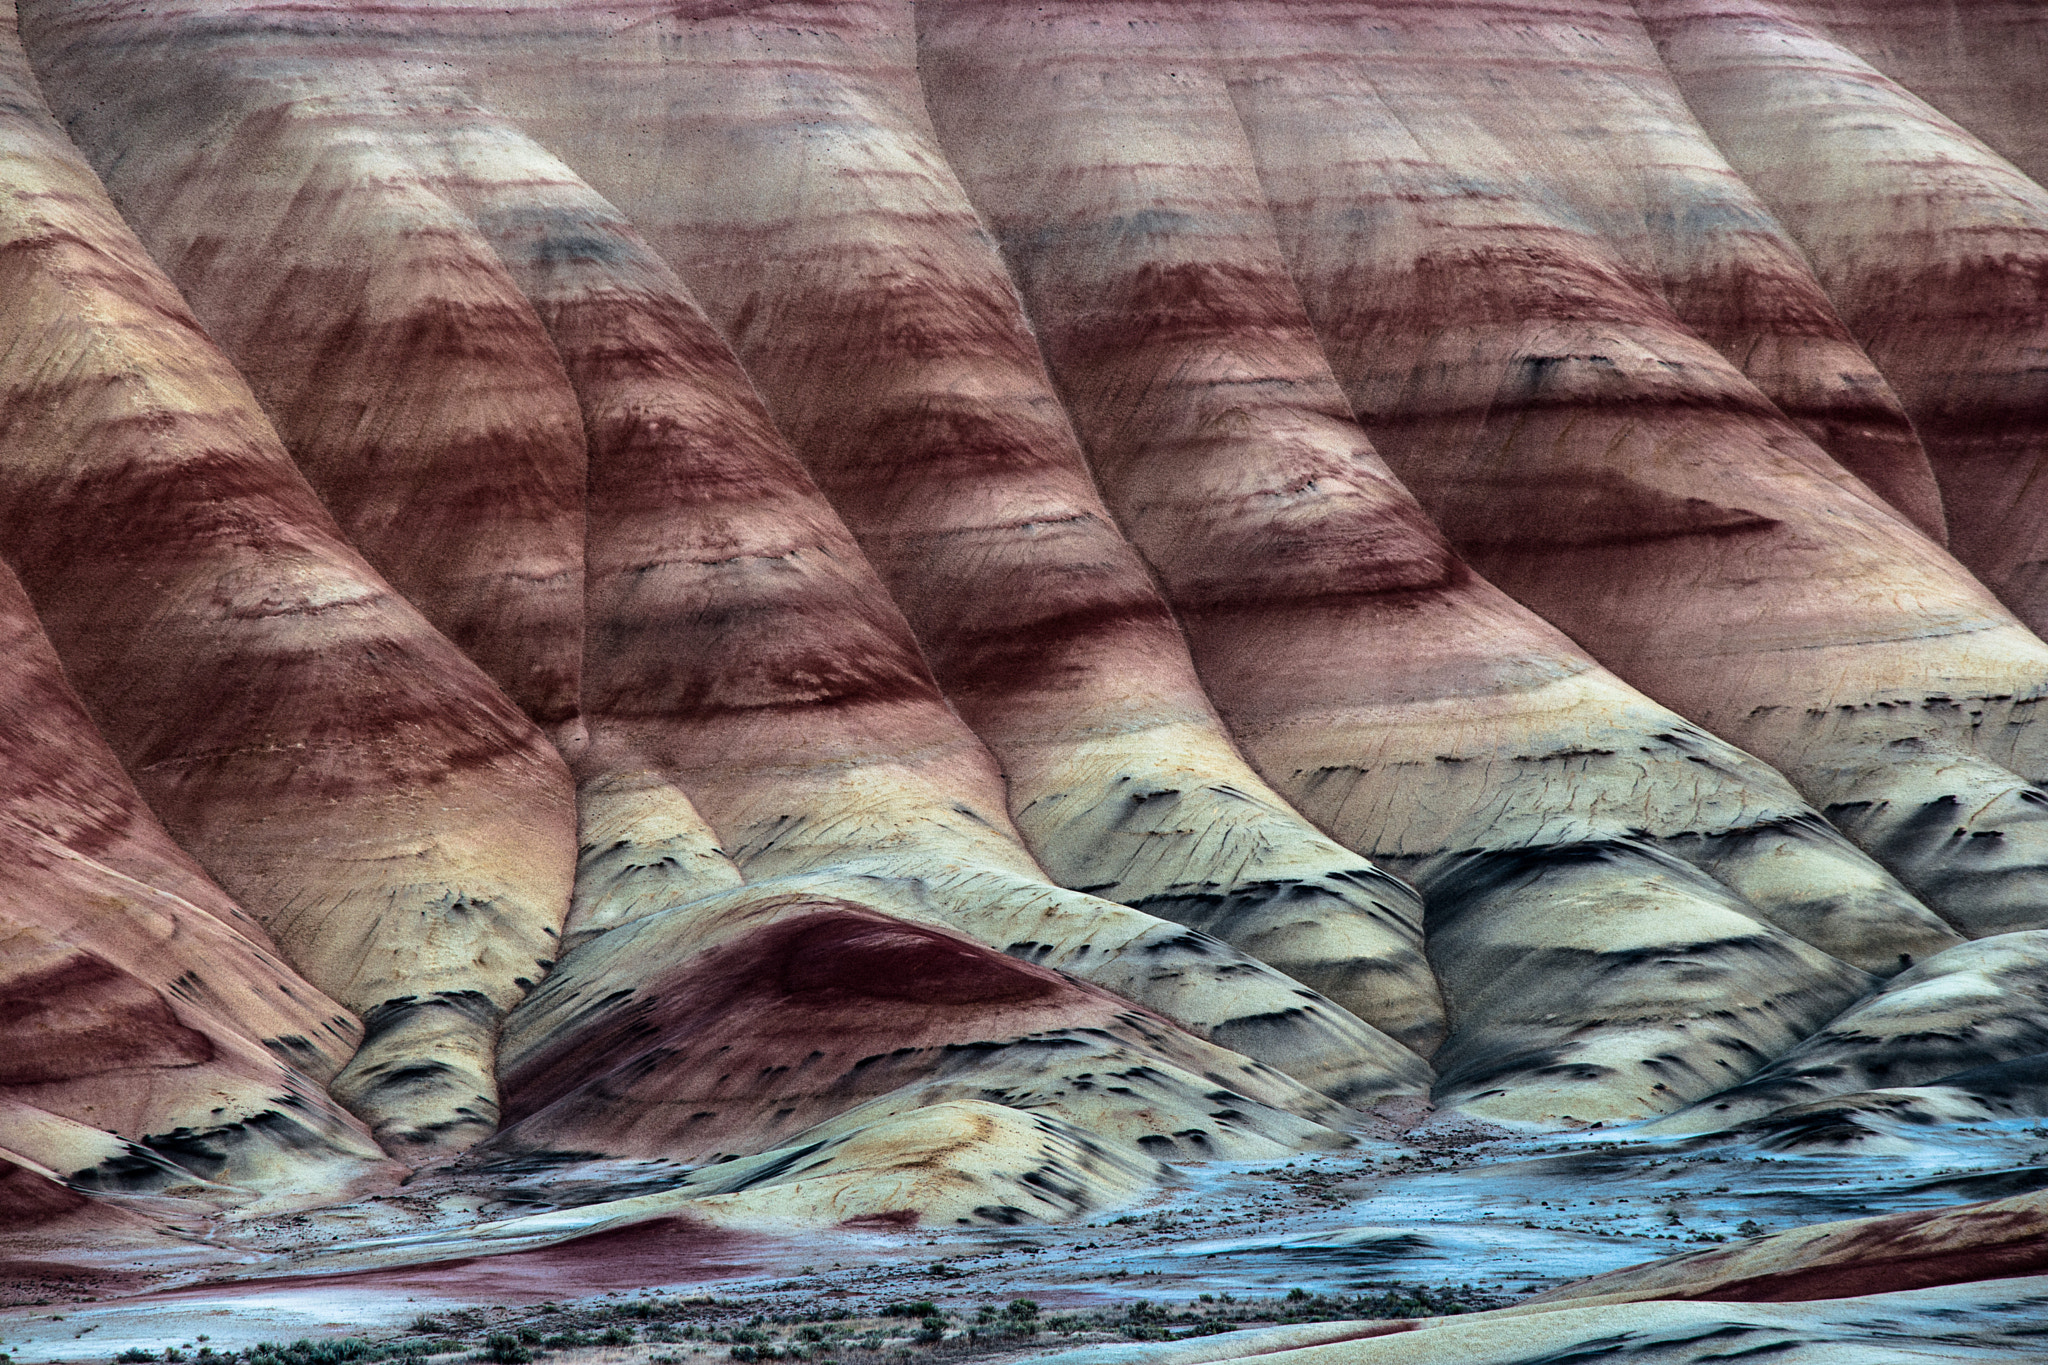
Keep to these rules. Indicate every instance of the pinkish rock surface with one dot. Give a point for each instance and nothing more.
(893, 613)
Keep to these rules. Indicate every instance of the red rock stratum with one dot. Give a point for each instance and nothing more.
(908, 609)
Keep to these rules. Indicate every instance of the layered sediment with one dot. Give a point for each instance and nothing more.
(358, 786)
(881, 332)
(750, 704)
(151, 1039)
(897, 613)
(1933, 245)
(1336, 629)
(1508, 319)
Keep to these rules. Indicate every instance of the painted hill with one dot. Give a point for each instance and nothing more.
(1015, 592)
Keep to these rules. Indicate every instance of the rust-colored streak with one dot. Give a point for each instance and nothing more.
(84, 1017)
(816, 992)
(333, 761)
(722, 587)
(1883, 1255)
(660, 1251)
(29, 1200)
(1877, 1273)
(1185, 303)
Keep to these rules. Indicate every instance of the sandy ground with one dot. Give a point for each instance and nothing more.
(1475, 1216)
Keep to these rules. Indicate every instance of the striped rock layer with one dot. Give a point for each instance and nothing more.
(884, 1017)
(399, 830)
(1972, 1021)
(742, 661)
(1333, 623)
(1933, 244)
(150, 1038)
(822, 754)
(1017, 521)
(878, 324)
(1592, 451)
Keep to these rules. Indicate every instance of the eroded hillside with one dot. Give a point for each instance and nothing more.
(870, 614)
